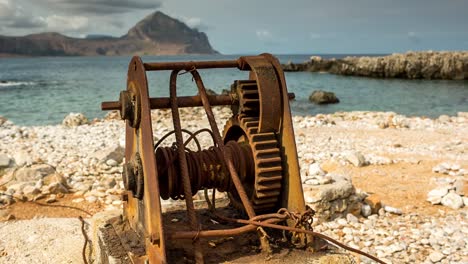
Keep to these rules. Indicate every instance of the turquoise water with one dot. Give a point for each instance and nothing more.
(38, 91)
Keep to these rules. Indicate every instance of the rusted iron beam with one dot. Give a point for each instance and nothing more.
(190, 65)
(220, 232)
(183, 101)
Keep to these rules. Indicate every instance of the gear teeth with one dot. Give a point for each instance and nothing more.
(249, 99)
(265, 149)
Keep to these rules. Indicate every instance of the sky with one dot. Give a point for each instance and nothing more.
(280, 27)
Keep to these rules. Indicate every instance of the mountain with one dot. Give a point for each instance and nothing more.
(157, 34)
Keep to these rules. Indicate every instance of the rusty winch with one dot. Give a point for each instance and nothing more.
(254, 160)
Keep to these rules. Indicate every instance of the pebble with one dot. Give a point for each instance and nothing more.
(5, 161)
(452, 200)
(91, 199)
(436, 256)
(356, 158)
(392, 210)
(366, 210)
(89, 158)
(351, 218)
(78, 200)
(435, 195)
(112, 162)
(315, 170)
(52, 199)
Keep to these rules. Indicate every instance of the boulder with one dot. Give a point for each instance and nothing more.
(115, 152)
(356, 158)
(323, 97)
(34, 172)
(75, 119)
(5, 161)
(328, 192)
(452, 200)
(22, 158)
(435, 195)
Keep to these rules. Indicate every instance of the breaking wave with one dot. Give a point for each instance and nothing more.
(14, 83)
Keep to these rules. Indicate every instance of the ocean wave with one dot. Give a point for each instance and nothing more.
(14, 83)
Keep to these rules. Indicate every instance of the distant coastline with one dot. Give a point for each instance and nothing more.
(447, 65)
(157, 34)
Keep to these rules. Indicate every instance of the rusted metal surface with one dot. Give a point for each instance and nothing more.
(263, 73)
(190, 65)
(182, 101)
(255, 160)
(144, 215)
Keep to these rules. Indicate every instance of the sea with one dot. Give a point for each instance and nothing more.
(42, 91)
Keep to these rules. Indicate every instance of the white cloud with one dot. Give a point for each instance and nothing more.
(67, 23)
(6, 9)
(14, 16)
(193, 22)
(263, 34)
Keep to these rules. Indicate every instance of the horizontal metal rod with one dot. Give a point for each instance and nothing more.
(182, 101)
(189, 65)
(218, 233)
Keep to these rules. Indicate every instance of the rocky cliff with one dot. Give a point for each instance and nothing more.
(410, 65)
(156, 34)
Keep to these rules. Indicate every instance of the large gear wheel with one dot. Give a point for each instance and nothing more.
(263, 187)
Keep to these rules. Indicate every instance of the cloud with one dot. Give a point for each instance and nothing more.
(14, 16)
(6, 9)
(263, 35)
(27, 22)
(414, 37)
(192, 22)
(72, 24)
(100, 6)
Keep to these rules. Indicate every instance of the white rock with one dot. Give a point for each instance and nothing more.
(115, 152)
(455, 167)
(351, 218)
(311, 181)
(435, 195)
(366, 210)
(459, 186)
(342, 222)
(52, 199)
(74, 119)
(34, 172)
(22, 158)
(30, 190)
(356, 158)
(78, 200)
(392, 210)
(452, 200)
(112, 162)
(5, 161)
(315, 170)
(436, 256)
(91, 199)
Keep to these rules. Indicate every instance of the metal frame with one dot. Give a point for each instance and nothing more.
(144, 215)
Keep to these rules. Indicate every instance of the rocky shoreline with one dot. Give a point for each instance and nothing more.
(410, 65)
(84, 159)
